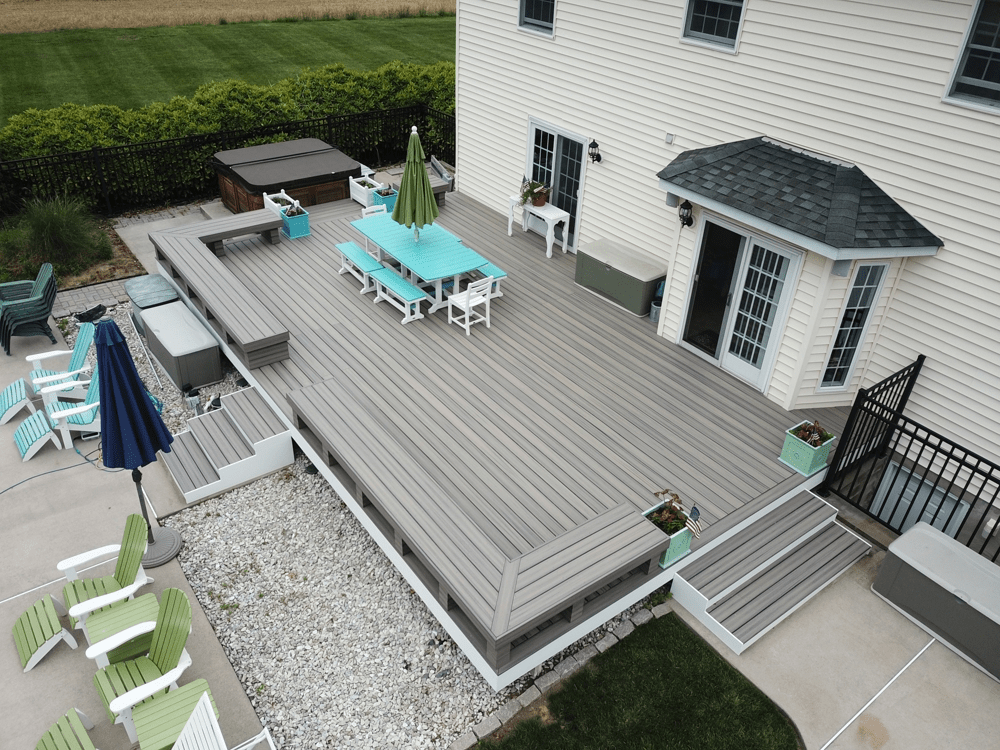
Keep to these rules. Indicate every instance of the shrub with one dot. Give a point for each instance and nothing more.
(61, 232)
(230, 105)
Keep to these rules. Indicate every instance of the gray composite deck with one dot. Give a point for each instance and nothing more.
(514, 463)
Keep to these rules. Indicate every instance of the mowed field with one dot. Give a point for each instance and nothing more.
(21, 16)
(131, 66)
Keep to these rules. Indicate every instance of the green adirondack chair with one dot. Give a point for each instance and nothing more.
(69, 733)
(85, 595)
(127, 684)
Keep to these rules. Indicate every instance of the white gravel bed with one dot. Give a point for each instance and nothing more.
(332, 646)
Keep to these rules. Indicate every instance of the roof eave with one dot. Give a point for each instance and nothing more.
(676, 194)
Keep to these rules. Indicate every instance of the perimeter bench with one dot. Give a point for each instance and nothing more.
(399, 293)
(216, 231)
(250, 330)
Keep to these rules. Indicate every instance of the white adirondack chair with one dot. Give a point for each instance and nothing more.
(201, 732)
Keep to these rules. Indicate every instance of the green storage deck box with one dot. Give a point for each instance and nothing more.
(625, 275)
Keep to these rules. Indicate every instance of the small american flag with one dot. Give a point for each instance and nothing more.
(693, 523)
(525, 184)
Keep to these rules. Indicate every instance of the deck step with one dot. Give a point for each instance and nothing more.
(758, 544)
(242, 441)
(251, 413)
(221, 437)
(775, 592)
(188, 464)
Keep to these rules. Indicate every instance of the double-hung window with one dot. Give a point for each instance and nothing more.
(978, 74)
(716, 22)
(538, 15)
(853, 324)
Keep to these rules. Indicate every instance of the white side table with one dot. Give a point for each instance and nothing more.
(548, 213)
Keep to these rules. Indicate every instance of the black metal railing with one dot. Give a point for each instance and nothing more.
(900, 472)
(117, 179)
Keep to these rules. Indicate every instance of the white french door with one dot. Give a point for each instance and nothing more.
(739, 299)
(555, 157)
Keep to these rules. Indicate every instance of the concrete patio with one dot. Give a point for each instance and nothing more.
(59, 504)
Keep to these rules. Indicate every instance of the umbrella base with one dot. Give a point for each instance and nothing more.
(166, 544)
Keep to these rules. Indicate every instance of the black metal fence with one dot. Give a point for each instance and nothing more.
(118, 179)
(900, 472)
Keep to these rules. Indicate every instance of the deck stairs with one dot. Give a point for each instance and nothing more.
(222, 449)
(752, 580)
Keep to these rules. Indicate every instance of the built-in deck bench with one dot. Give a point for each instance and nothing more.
(234, 312)
(215, 232)
(501, 601)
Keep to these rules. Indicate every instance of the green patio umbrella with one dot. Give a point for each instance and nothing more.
(415, 204)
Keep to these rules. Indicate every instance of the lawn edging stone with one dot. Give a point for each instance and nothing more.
(606, 642)
(546, 681)
(487, 726)
(624, 629)
(662, 609)
(464, 742)
(641, 617)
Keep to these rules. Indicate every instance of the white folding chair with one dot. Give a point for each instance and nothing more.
(476, 293)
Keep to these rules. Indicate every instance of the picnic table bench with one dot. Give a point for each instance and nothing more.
(250, 330)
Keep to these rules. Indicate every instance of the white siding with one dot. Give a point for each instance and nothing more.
(860, 81)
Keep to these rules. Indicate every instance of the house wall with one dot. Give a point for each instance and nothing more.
(860, 81)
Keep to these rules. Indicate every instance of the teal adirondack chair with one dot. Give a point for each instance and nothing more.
(86, 595)
(125, 685)
(69, 733)
(74, 416)
(40, 377)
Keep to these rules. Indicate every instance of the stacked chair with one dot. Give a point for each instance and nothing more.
(25, 307)
(140, 647)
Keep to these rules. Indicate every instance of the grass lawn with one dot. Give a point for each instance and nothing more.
(133, 67)
(662, 687)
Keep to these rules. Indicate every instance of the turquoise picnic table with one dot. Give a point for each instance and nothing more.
(436, 256)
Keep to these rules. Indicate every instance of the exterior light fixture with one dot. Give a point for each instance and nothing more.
(595, 151)
(684, 212)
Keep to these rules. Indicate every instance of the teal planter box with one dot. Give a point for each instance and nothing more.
(389, 201)
(802, 457)
(680, 542)
(295, 226)
(680, 545)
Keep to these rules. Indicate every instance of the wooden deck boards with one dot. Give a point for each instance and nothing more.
(565, 409)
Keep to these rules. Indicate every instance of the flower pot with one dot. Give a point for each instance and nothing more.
(294, 227)
(801, 456)
(389, 200)
(362, 189)
(680, 542)
(539, 200)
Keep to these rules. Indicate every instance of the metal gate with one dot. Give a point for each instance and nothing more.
(900, 472)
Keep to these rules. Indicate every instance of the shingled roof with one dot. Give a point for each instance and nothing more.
(834, 204)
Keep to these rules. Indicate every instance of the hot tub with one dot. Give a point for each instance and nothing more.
(947, 589)
(308, 169)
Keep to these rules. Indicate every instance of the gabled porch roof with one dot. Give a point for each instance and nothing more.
(826, 206)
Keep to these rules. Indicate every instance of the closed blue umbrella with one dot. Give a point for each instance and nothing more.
(131, 428)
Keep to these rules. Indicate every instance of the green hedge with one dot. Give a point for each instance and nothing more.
(230, 105)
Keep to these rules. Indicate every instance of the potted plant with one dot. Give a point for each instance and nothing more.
(295, 220)
(385, 195)
(535, 192)
(806, 448)
(362, 189)
(669, 516)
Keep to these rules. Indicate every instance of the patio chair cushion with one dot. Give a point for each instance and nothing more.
(37, 631)
(69, 733)
(14, 398)
(160, 721)
(32, 435)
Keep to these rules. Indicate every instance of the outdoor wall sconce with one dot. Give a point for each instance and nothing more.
(595, 151)
(684, 212)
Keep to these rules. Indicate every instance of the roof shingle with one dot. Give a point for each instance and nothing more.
(831, 203)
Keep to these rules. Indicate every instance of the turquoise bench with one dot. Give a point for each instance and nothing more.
(399, 293)
(358, 263)
(490, 269)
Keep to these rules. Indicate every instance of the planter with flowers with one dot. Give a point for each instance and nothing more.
(386, 196)
(536, 193)
(806, 448)
(294, 218)
(362, 189)
(680, 525)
